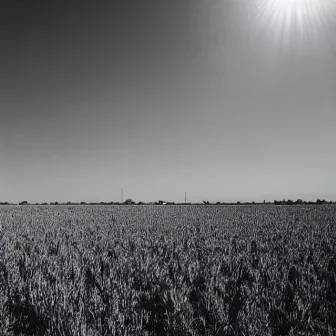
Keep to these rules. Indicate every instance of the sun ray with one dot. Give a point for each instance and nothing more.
(293, 25)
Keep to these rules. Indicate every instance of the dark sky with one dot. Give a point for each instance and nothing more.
(223, 99)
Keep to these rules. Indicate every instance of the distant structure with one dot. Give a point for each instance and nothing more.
(129, 201)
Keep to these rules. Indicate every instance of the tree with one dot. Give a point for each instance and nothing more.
(129, 201)
(23, 203)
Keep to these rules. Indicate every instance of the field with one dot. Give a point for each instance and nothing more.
(168, 270)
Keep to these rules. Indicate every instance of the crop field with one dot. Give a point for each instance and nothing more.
(168, 270)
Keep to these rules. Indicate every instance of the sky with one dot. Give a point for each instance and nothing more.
(225, 99)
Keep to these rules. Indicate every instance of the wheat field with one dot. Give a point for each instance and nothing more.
(168, 270)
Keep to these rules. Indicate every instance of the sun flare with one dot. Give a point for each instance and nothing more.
(308, 11)
(295, 21)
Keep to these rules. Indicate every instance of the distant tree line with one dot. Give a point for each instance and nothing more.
(300, 201)
(161, 202)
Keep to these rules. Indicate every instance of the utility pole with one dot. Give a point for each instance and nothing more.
(122, 196)
(185, 197)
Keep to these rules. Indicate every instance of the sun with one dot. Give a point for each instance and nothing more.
(297, 11)
(293, 3)
(294, 22)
